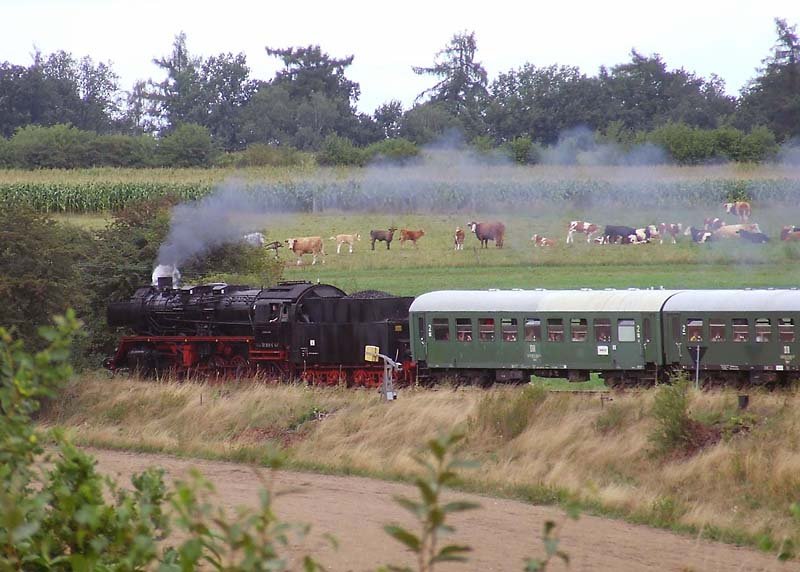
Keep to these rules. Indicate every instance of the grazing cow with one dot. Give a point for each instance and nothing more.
(348, 239)
(254, 239)
(458, 239)
(312, 245)
(583, 226)
(486, 231)
(673, 229)
(790, 233)
(731, 230)
(754, 237)
(382, 235)
(699, 235)
(713, 223)
(274, 246)
(539, 240)
(740, 209)
(412, 235)
(613, 233)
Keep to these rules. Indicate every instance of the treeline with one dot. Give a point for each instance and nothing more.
(209, 108)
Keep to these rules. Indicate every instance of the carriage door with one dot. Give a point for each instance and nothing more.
(627, 351)
(422, 346)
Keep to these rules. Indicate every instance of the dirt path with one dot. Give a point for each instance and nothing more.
(502, 532)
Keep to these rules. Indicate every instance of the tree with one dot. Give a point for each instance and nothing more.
(773, 97)
(189, 145)
(426, 122)
(388, 117)
(227, 87)
(462, 81)
(179, 97)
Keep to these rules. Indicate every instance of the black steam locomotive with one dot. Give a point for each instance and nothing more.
(314, 332)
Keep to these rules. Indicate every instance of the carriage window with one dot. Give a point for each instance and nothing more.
(786, 329)
(741, 330)
(646, 328)
(509, 329)
(716, 329)
(441, 329)
(626, 330)
(486, 329)
(602, 330)
(533, 329)
(555, 330)
(694, 329)
(463, 329)
(763, 330)
(579, 328)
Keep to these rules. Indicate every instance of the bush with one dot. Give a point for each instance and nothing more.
(5, 153)
(189, 145)
(758, 145)
(685, 144)
(56, 147)
(340, 151)
(123, 151)
(395, 150)
(671, 412)
(523, 151)
(261, 155)
(508, 416)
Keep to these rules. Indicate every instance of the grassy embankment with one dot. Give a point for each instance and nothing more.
(540, 447)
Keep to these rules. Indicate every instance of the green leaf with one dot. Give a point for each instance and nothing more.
(403, 536)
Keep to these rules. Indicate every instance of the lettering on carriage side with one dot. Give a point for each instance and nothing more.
(602, 350)
(787, 350)
(430, 330)
(533, 348)
(778, 368)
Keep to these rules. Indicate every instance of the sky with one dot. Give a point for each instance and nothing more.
(729, 38)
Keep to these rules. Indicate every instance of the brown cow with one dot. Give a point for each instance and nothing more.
(539, 240)
(790, 233)
(458, 239)
(740, 209)
(348, 239)
(583, 226)
(673, 229)
(732, 230)
(713, 223)
(486, 231)
(385, 235)
(412, 235)
(312, 245)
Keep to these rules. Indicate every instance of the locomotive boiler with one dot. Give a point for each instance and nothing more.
(295, 330)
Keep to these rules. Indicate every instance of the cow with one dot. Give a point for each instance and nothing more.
(486, 231)
(348, 239)
(410, 235)
(382, 235)
(673, 229)
(583, 226)
(731, 230)
(740, 209)
(458, 239)
(613, 233)
(312, 245)
(699, 235)
(646, 234)
(754, 237)
(790, 233)
(254, 239)
(539, 240)
(713, 223)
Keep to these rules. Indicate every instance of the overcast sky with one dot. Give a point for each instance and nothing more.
(729, 38)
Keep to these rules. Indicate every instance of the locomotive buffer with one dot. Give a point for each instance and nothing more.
(372, 354)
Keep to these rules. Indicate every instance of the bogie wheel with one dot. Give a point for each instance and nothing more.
(240, 367)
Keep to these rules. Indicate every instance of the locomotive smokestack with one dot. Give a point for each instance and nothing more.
(166, 276)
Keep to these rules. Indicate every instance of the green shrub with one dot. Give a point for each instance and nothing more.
(190, 145)
(340, 151)
(673, 428)
(6, 159)
(395, 150)
(611, 419)
(56, 147)
(261, 155)
(123, 151)
(685, 144)
(758, 145)
(508, 415)
(523, 151)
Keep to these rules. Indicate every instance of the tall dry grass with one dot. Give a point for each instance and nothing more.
(542, 447)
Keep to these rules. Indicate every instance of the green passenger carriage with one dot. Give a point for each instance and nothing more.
(629, 337)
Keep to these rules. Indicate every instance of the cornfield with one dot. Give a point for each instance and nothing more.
(402, 190)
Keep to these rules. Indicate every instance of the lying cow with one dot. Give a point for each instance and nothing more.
(348, 239)
(646, 234)
(458, 239)
(382, 235)
(312, 245)
(486, 231)
(410, 235)
(699, 235)
(613, 233)
(790, 233)
(673, 229)
(740, 209)
(732, 230)
(583, 226)
(539, 240)
(754, 237)
(713, 223)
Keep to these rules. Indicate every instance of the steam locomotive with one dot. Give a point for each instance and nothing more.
(295, 330)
